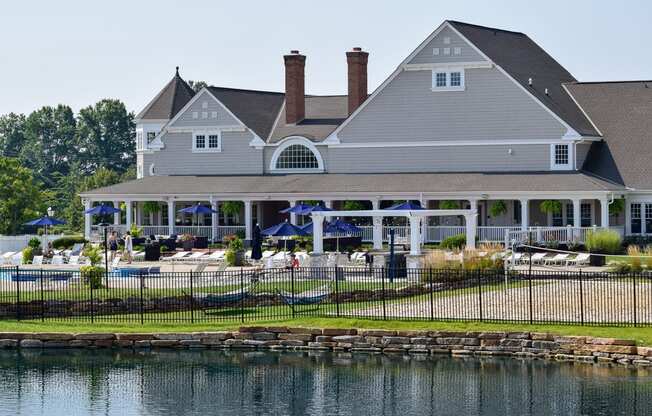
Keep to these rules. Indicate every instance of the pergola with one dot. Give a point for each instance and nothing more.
(414, 216)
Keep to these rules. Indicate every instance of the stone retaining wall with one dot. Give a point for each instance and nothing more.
(516, 344)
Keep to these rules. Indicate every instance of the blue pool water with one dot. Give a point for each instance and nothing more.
(261, 383)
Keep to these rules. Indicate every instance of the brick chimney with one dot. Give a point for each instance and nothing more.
(357, 72)
(295, 100)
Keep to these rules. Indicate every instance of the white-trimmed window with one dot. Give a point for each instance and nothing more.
(560, 156)
(449, 79)
(297, 155)
(206, 141)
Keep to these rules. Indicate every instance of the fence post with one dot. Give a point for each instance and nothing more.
(384, 271)
(42, 299)
(18, 293)
(142, 307)
(292, 285)
(477, 272)
(337, 292)
(241, 295)
(92, 305)
(192, 301)
(529, 281)
(432, 295)
(634, 298)
(581, 299)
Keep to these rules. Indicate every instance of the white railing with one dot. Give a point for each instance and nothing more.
(494, 233)
(541, 235)
(440, 232)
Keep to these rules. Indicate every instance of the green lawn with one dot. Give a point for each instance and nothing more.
(643, 336)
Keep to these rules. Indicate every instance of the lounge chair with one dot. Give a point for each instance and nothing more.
(197, 256)
(76, 249)
(216, 256)
(73, 260)
(267, 254)
(177, 256)
(580, 259)
(6, 258)
(17, 259)
(557, 259)
(37, 260)
(57, 260)
(537, 258)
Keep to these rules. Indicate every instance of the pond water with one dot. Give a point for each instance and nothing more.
(266, 383)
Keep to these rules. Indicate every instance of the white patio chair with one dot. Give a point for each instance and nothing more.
(267, 253)
(557, 259)
(57, 260)
(216, 256)
(6, 257)
(580, 259)
(115, 262)
(537, 258)
(197, 256)
(176, 256)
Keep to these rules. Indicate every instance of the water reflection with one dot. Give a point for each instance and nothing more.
(256, 383)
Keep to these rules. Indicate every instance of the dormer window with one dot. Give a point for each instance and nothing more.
(560, 156)
(448, 79)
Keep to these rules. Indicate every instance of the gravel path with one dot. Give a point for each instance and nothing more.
(606, 301)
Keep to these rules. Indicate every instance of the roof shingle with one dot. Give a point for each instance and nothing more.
(168, 101)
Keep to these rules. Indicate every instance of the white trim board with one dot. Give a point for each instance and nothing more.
(445, 142)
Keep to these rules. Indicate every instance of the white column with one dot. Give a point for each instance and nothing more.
(474, 206)
(248, 219)
(604, 212)
(415, 238)
(171, 216)
(215, 217)
(471, 226)
(116, 216)
(525, 214)
(130, 214)
(293, 216)
(88, 204)
(424, 223)
(577, 220)
(318, 234)
(377, 226)
(628, 217)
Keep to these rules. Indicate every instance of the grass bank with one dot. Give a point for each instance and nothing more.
(643, 336)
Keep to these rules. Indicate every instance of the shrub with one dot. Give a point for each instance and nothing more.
(230, 257)
(635, 258)
(447, 204)
(135, 231)
(454, 242)
(68, 241)
(620, 267)
(603, 242)
(34, 243)
(93, 254)
(28, 255)
(236, 244)
(92, 276)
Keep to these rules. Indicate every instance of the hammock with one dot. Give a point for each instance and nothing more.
(309, 297)
(222, 298)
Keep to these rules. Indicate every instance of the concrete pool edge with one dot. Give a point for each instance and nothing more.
(535, 345)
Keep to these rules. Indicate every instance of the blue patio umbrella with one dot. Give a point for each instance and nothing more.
(320, 208)
(307, 227)
(283, 230)
(340, 226)
(101, 209)
(406, 206)
(45, 222)
(301, 209)
(194, 210)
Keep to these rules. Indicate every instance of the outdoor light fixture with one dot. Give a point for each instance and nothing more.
(50, 212)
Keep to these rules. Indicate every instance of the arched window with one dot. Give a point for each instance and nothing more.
(297, 154)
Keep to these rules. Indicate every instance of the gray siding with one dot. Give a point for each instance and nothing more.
(269, 152)
(491, 107)
(236, 157)
(467, 53)
(439, 159)
(223, 117)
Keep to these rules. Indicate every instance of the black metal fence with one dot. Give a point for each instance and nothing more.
(139, 296)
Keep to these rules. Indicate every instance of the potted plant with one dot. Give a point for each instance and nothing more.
(136, 235)
(235, 253)
(35, 244)
(91, 274)
(550, 206)
(498, 208)
(602, 242)
(187, 242)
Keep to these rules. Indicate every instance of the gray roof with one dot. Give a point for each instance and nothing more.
(523, 59)
(323, 115)
(362, 183)
(168, 101)
(256, 109)
(622, 111)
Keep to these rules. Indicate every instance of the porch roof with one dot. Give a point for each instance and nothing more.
(352, 184)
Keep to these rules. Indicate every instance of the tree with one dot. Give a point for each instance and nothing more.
(50, 145)
(197, 85)
(12, 134)
(21, 198)
(105, 133)
(73, 212)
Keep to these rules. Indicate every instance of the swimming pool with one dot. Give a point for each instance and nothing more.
(260, 383)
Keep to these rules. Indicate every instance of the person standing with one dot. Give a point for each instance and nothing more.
(113, 246)
(129, 247)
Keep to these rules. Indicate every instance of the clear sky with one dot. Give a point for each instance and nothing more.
(77, 52)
